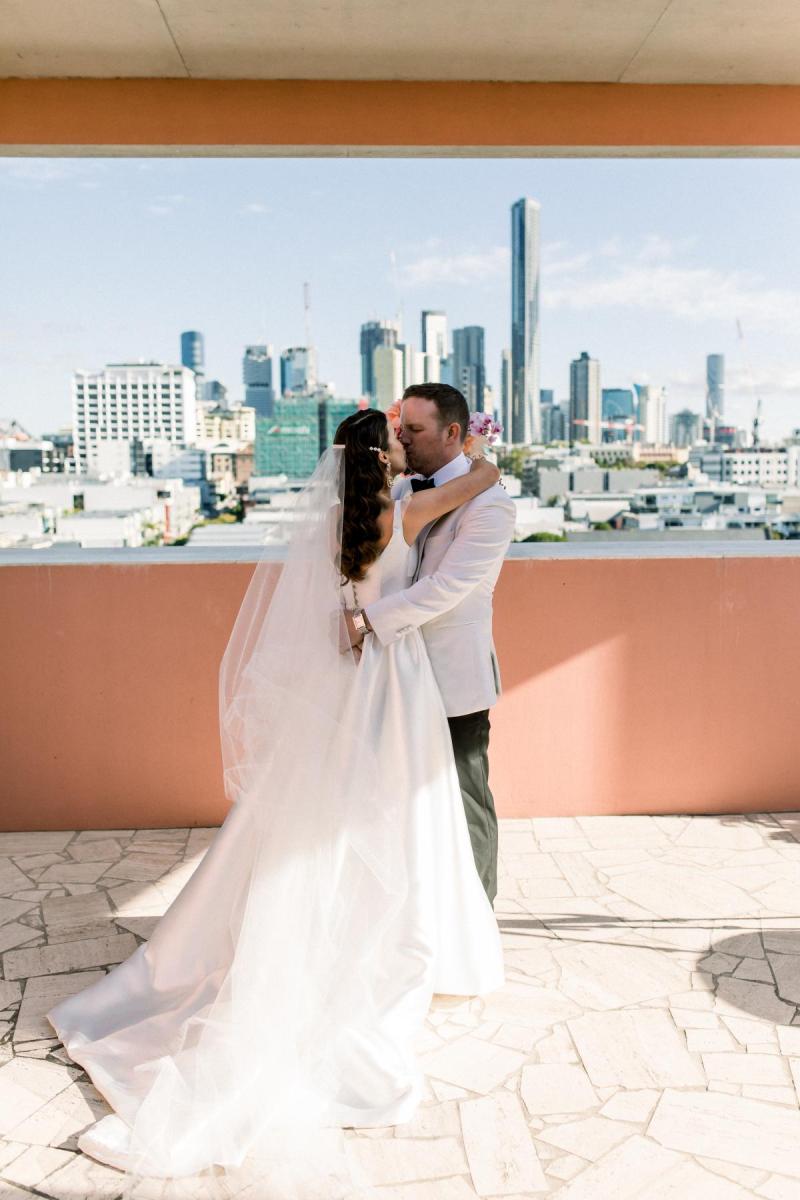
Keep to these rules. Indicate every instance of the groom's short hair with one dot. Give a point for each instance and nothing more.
(450, 403)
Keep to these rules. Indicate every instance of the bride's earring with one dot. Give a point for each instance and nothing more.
(384, 458)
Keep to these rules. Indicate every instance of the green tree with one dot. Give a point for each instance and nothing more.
(511, 460)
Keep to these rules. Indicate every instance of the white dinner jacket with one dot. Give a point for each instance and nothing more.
(449, 597)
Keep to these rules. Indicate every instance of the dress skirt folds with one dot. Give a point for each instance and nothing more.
(282, 991)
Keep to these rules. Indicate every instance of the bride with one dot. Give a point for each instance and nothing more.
(279, 997)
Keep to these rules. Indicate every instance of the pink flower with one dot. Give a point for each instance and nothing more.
(393, 415)
(483, 432)
(484, 425)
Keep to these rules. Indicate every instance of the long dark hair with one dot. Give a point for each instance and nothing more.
(365, 495)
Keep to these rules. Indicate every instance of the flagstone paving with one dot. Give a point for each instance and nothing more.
(645, 1045)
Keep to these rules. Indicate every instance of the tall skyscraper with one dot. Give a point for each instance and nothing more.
(715, 385)
(192, 351)
(413, 365)
(389, 369)
(128, 401)
(552, 422)
(469, 370)
(526, 425)
(259, 389)
(193, 357)
(619, 408)
(215, 393)
(374, 334)
(432, 368)
(505, 394)
(584, 400)
(652, 413)
(618, 402)
(434, 333)
(299, 371)
(686, 428)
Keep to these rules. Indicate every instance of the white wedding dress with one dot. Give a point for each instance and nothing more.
(138, 1030)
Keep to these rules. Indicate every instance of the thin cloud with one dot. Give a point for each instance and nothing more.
(475, 267)
(762, 380)
(647, 276)
(254, 207)
(41, 171)
(164, 205)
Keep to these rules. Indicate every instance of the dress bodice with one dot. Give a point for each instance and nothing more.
(391, 571)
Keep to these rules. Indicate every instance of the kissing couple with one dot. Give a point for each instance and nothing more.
(279, 998)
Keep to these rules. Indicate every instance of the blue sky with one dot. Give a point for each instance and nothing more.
(647, 264)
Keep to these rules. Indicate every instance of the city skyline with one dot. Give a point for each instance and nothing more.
(649, 305)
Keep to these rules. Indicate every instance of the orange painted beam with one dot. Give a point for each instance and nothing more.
(319, 113)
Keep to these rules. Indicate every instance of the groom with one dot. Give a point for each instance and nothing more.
(458, 560)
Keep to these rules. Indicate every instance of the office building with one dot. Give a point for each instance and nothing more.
(288, 443)
(618, 403)
(715, 385)
(298, 371)
(685, 428)
(585, 401)
(505, 394)
(618, 414)
(193, 357)
(553, 424)
(215, 394)
(236, 426)
(413, 365)
(259, 389)
(651, 412)
(192, 351)
(434, 333)
(432, 368)
(389, 368)
(126, 401)
(469, 369)
(525, 342)
(374, 334)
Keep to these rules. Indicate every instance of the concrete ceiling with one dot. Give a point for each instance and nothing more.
(613, 41)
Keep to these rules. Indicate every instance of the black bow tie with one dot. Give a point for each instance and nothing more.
(418, 485)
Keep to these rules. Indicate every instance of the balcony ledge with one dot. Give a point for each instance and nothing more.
(181, 555)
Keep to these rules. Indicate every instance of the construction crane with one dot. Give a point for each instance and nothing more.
(749, 377)
(307, 311)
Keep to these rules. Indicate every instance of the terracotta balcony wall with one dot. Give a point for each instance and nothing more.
(646, 679)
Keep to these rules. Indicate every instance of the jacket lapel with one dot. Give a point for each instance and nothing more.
(422, 537)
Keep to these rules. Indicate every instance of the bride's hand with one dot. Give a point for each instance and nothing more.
(487, 469)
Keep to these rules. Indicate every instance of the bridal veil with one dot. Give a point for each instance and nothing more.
(279, 972)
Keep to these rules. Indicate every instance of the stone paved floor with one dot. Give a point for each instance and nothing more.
(646, 1043)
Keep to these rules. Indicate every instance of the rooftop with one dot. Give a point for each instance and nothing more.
(648, 1027)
